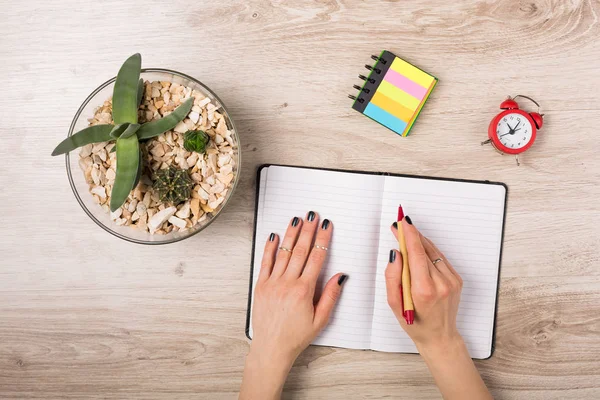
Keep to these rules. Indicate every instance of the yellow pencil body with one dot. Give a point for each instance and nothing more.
(406, 296)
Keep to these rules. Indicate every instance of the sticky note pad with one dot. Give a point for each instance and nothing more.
(394, 92)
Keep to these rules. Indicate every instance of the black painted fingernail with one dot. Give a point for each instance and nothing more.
(325, 225)
(392, 256)
(407, 218)
(395, 225)
(342, 279)
(272, 237)
(311, 216)
(295, 221)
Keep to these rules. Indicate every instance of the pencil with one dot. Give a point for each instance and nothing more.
(409, 308)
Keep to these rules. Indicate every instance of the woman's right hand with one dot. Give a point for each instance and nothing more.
(435, 290)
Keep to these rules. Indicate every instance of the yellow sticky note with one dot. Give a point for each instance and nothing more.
(411, 72)
(398, 95)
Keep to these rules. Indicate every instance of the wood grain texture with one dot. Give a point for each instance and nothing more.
(84, 315)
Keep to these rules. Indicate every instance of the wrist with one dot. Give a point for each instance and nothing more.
(265, 360)
(446, 347)
(269, 368)
(264, 374)
(451, 366)
(270, 356)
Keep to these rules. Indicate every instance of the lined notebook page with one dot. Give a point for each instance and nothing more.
(353, 203)
(465, 222)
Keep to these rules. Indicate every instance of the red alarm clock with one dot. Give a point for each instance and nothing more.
(513, 131)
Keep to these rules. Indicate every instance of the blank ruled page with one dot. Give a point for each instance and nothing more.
(465, 221)
(353, 203)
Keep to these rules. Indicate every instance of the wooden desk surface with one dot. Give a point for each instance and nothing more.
(84, 315)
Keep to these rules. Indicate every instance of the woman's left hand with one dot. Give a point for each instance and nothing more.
(286, 318)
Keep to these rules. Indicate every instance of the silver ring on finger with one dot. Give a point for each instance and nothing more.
(321, 247)
(437, 260)
(285, 249)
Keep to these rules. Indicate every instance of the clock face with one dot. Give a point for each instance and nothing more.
(514, 131)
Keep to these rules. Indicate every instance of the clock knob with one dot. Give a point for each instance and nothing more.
(509, 104)
(538, 119)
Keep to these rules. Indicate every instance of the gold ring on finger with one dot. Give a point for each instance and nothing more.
(321, 247)
(284, 249)
(437, 260)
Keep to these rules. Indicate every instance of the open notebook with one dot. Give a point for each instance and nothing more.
(465, 219)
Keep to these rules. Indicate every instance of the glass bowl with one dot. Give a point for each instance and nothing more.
(81, 188)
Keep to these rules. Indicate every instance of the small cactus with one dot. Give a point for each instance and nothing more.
(173, 185)
(196, 141)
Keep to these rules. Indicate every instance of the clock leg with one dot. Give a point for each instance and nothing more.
(486, 142)
(517, 159)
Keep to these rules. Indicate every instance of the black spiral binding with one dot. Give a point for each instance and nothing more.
(376, 58)
(370, 68)
(364, 78)
(366, 90)
(378, 71)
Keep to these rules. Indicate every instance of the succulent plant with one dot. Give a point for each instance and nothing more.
(195, 141)
(127, 96)
(173, 185)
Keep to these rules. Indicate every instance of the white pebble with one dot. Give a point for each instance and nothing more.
(86, 150)
(184, 211)
(194, 116)
(102, 154)
(177, 222)
(181, 127)
(160, 217)
(116, 214)
(203, 102)
(110, 174)
(99, 191)
(141, 208)
(96, 147)
(96, 175)
(132, 206)
(85, 163)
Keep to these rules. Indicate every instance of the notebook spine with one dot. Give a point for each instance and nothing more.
(371, 81)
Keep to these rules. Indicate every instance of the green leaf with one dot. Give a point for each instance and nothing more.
(139, 171)
(91, 134)
(131, 130)
(124, 130)
(125, 100)
(155, 128)
(128, 159)
(140, 93)
(118, 130)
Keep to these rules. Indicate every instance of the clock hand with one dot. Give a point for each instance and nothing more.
(510, 132)
(516, 126)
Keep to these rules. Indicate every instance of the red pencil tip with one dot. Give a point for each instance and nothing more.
(410, 316)
(400, 213)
